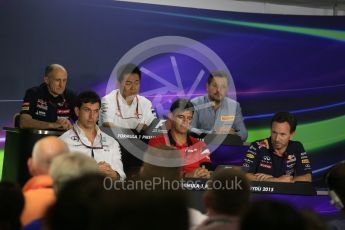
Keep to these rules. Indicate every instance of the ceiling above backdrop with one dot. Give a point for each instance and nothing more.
(295, 7)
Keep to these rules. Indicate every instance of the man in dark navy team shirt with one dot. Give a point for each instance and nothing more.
(278, 158)
(50, 105)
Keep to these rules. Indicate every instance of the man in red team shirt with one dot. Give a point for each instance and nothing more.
(194, 153)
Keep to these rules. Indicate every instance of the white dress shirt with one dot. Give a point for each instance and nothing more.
(104, 148)
(116, 110)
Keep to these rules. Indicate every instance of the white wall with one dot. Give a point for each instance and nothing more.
(253, 7)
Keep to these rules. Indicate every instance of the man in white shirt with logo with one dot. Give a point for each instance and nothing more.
(87, 138)
(123, 107)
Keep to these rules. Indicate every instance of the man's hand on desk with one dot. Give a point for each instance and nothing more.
(266, 177)
(64, 123)
(199, 173)
(60, 124)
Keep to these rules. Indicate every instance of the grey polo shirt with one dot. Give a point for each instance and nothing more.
(206, 119)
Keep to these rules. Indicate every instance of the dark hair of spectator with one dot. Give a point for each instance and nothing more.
(271, 215)
(229, 192)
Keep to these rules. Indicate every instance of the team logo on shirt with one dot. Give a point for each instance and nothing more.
(42, 104)
(305, 161)
(248, 160)
(63, 111)
(249, 155)
(25, 106)
(268, 166)
(40, 113)
(74, 138)
(291, 158)
(263, 144)
(227, 118)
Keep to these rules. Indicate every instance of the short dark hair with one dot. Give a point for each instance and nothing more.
(88, 97)
(217, 73)
(182, 104)
(229, 199)
(50, 68)
(127, 69)
(282, 117)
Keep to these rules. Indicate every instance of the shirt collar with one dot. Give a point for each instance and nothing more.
(122, 100)
(81, 132)
(207, 100)
(173, 142)
(287, 151)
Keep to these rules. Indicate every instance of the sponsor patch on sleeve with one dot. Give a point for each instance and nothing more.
(25, 106)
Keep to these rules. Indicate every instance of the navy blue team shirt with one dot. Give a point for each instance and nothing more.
(260, 158)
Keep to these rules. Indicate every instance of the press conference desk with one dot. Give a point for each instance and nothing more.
(18, 148)
(19, 144)
(264, 187)
(133, 145)
(300, 195)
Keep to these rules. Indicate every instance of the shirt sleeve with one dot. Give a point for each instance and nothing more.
(251, 159)
(28, 104)
(147, 110)
(303, 165)
(239, 123)
(116, 161)
(107, 113)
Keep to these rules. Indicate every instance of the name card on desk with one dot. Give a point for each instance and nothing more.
(213, 139)
(297, 188)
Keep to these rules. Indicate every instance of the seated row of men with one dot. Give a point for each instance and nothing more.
(276, 158)
(51, 105)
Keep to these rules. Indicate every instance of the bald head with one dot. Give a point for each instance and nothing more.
(43, 153)
(53, 67)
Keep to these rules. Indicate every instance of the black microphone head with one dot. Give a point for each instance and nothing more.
(206, 165)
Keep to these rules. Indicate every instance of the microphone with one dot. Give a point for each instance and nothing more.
(206, 165)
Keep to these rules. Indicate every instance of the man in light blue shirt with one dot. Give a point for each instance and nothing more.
(216, 113)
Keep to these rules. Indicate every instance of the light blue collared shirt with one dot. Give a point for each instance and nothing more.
(206, 119)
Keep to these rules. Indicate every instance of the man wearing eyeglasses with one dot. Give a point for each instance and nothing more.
(194, 153)
(50, 105)
(86, 137)
(123, 107)
(216, 113)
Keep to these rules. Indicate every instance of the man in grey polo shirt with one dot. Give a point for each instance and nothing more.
(216, 113)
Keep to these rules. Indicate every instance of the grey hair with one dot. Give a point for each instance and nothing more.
(70, 166)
